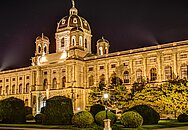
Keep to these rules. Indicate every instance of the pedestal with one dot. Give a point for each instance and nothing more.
(107, 124)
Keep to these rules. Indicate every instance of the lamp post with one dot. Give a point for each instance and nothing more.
(106, 120)
(106, 96)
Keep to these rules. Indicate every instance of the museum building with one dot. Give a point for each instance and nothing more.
(73, 69)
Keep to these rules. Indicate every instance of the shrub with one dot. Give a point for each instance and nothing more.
(131, 119)
(100, 116)
(96, 108)
(58, 110)
(42, 110)
(183, 118)
(12, 110)
(28, 110)
(82, 119)
(39, 118)
(29, 117)
(150, 116)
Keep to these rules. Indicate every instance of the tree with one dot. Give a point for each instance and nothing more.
(118, 94)
(175, 96)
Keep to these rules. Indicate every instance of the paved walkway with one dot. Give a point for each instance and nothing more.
(176, 128)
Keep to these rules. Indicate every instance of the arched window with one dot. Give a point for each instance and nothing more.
(80, 41)
(1, 90)
(54, 84)
(100, 51)
(184, 69)
(63, 42)
(102, 78)
(126, 76)
(139, 75)
(63, 81)
(13, 89)
(91, 80)
(45, 50)
(27, 88)
(20, 88)
(7, 89)
(85, 43)
(26, 102)
(168, 72)
(153, 74)
(73, 40)
(39, 48)
(45, 84)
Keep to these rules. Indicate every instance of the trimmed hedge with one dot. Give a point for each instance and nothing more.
(40, 118)
(183, 118)
(150, 116)
(96, 108)
(58, 110)
(100, 116)
(131, 119)
(28, 110)
(82, 119)
(12, 110)
(29, 117)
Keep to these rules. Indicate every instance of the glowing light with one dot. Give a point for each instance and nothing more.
(64, 55)
(106, 96)
(78, 109)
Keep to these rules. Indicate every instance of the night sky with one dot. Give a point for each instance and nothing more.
(127, 24)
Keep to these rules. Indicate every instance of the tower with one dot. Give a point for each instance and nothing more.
(73, 31)
(42, 45)
(102, 46)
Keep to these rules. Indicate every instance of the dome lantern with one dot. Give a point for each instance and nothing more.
(73, 10)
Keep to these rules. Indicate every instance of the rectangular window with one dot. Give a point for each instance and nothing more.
(101, 67)
(7, 80)
(54, 72)
(90, 68)
(20, 78)
(1, 81)
(183, 56)
(27, 77)
(113, 65)
(45, 73)
(138, 62)
(13, 79)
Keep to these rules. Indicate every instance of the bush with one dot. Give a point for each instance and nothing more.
(100, 116)
(29, 117)
(39, 118)
(12, 110)
(96, 108)
(150, 116)
(28, 110)
(183, 118)
(42, 110)
(58, 110)
(131, 119)
(82, 119)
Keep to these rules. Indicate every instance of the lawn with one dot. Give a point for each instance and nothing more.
(117, 126)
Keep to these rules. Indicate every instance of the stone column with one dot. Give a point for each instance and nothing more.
(159, 77)
(107, 124)
(174, 73)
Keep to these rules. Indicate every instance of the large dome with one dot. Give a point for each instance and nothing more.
(72, 21)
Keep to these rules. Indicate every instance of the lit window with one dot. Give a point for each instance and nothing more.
(80, 40)
(153, 74)
(63, 81)
(184, 69)
(126, 77)
(168, 72)
(139, 75)
(113, 66)
(85, 43)
(101, 67)
(54, 85)
(90, 68)
(91, 80)
(63, 42)
(100, 51)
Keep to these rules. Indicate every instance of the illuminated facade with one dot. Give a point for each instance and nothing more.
(73, 69)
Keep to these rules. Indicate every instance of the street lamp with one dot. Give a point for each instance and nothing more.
(106, 97)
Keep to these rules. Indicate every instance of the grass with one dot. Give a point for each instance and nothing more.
(117, 126)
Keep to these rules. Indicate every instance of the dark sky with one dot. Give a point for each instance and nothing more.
(126, 24)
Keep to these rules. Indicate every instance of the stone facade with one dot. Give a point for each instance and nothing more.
(73, 69)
